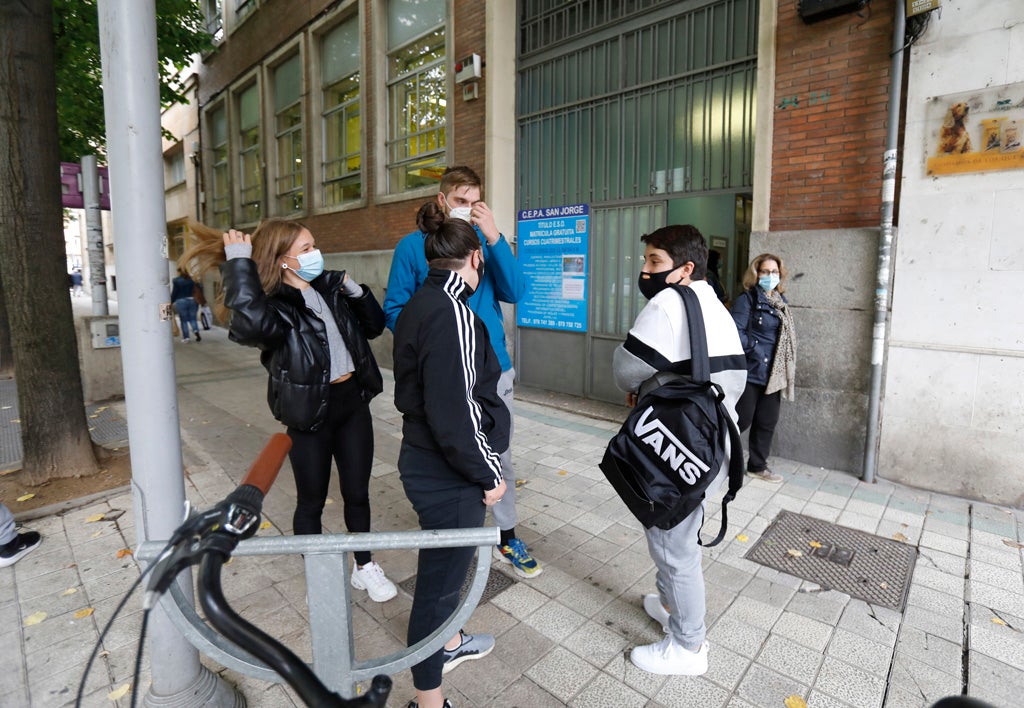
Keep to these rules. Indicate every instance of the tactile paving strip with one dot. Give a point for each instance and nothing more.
(874, 569)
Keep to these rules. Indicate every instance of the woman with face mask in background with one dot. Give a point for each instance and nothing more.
(765, 324)
(312, 327)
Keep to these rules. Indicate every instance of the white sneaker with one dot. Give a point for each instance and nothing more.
(670, 659)
(371, 578)
(655, 610)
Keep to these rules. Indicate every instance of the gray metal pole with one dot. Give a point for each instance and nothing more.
(94, 235)
(885, 242)
(132, 110)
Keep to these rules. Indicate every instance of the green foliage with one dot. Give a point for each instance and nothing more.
(181, 33)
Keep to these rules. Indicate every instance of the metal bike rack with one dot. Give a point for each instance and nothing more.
(329, 597)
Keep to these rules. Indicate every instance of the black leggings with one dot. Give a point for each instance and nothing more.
(759, 412)
(449, 503)
(347, 436)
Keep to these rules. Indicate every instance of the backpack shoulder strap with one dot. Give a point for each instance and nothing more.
(701, 365)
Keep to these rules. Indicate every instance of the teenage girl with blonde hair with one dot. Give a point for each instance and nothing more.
(311, 326)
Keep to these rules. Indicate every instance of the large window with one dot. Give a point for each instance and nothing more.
(417, 93)
(250, 182)
(288, 134)
(220, 185)
(342, 125)
(213, 12)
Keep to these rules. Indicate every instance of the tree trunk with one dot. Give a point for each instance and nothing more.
(54, 429)
(6, 354)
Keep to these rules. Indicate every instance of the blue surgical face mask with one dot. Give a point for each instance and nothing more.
(768, 282)
(311, 264)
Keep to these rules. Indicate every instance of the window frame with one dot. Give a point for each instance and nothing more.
(271, 167)
(236, 154)
(385, 193)
(210, 212)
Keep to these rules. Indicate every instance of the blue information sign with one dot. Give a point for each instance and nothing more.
(553, 245)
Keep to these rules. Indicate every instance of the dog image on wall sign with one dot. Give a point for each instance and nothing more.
(954, 138)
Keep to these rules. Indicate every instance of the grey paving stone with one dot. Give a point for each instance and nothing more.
(774, 594)
(606, 692)
(521, 647)
(899, 697)
(585, 598)
(622, 669)
(691, 692)
(996, 598)
(934, 524)
(824, 605)
(940, 542)
(727, 577)
(998, 642)
(938, 580)
(561, 673)
(1004, 557)
(862, 653)
(726, 667)
(803, 630)
(995, 681)
(763, 687)
(870, 621)
(629, 620)
(860, 522)
(790, 659)
(817, 699)
(520, 600)
(930, 649)
(949, 628)
(850, 684)
(945, 562)
(917, 678)
(595, 643)
(747, 610)
(1003, 577)
(525, 692)
(935, 601)
(737, 636)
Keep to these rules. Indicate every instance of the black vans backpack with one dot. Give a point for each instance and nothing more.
(673, 443)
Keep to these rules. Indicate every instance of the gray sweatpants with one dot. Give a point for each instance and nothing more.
(679, 578)
(7, 530)
(505, 510)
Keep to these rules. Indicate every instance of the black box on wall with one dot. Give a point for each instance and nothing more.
(814, 10)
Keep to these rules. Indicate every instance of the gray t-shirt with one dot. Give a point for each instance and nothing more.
(341, 359)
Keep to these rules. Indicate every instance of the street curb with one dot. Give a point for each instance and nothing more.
(70, 504)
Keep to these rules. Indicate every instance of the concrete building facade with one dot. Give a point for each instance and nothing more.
(765, 130)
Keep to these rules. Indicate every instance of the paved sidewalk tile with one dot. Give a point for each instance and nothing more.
(563, 638)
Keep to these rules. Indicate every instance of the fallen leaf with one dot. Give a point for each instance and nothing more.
(84, 613)
(884, 586)
(124, 552)
(69, 591)
(25, 497)
(15, 420)
(97, 534)
(996, 620)
(899, 537)
(6, 408)
(795, 553)
(94, 518)
(104, 653)
(35, 618)
(795, 702)
(101, 409)
(563, 472)
(265, 525)
(94, 416)
(520, 483)
(742, 537)
(119, 693)
(8, 472)
(814, 544)
(1012, 544)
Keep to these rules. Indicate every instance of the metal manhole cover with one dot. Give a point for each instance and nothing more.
(874, 569)
(496, 582)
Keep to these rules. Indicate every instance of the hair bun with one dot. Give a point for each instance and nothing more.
(429, 218)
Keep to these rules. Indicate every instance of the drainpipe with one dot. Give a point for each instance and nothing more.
(885, 241)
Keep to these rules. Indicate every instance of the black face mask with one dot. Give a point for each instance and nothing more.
(651, 284)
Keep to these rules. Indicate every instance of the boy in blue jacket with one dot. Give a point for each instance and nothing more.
(502, 281)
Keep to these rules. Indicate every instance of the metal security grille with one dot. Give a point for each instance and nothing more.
(545, 22)
(874, 569)
(662, 104)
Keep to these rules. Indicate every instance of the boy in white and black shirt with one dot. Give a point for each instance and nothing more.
(659, 341)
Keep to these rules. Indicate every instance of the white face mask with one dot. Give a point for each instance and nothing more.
(461, 213)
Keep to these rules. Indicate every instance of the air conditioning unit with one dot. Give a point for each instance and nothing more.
(815, 10)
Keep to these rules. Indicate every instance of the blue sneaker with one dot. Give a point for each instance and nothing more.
(474, 646)
(516, 554)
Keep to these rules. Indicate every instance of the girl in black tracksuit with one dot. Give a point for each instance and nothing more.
(454, 424)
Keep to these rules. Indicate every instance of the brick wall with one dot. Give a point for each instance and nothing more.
(376, 226)
(831, 99)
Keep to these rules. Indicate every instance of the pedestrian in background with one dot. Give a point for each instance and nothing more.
(765, 324)
(502, 281)
(454, 427)
(660, 341)
(13, 545)
(183, 290)
(312, 327)
(76, 282)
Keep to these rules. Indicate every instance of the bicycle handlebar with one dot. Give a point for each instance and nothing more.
(210, 537)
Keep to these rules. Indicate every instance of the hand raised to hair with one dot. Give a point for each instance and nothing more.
(235, 236)
(484, 219)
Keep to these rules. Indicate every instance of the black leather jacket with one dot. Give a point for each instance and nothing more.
(293, 340)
